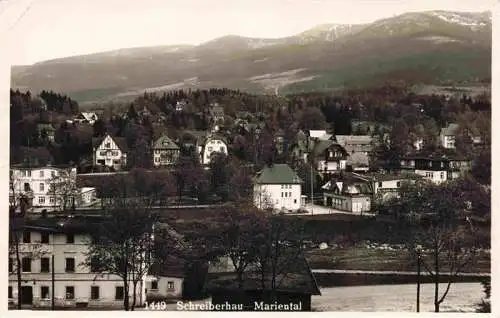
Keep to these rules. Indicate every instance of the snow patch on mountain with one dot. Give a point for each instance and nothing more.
(461, 19)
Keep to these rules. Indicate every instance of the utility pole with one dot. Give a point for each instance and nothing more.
(419, 253)
(312, 191)
(52, 298)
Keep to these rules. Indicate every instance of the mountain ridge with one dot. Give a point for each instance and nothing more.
(327, 50)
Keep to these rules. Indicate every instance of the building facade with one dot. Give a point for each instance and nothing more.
(211, 145)
(46, 187)
(110, 151)
(165, 152)
(278, 187)
(74, 283)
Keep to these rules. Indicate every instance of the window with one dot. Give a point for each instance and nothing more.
(27, 186)
(282, 186)
(282, 195)
(44, 292)
(70, 238)
(94, 265)
(221, 149)
(94, 292)
(380, 184)
(295, 201)
(442, 175)
(157, 159)
(10, 292)
(52, 174)
(286, 194)
(44, 265)
(44, 238)
(52, 200)
(119, 295)
(29, 173)
(70, 265)
(41, 200)
(170, 285)
(26, 237)
(154, 285)
(398, 184)
(70, 292)
(41, 174)
(107, 145)
(26, 262)
(102, 153)
(114, 153)
(42, 187)
(290, 194)
(210, 149)
(11, 265)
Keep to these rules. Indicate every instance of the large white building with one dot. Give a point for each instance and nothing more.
(44, 187)
(75, 283)
(110, 151)
(278, 187)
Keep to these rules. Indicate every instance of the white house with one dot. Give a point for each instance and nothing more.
(211, 145)
(329, 156)
(348, 192)
(448, 135)
(278, 187)
(165, 152)
(110, 151)
(86, 117)
(45, 187)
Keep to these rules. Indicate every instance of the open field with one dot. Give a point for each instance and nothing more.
(377, 259)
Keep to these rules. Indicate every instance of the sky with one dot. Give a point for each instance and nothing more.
(38, 30)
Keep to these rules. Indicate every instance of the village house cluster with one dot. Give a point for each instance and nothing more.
(340, 162)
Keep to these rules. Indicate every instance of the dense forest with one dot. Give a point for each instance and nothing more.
(389, 111)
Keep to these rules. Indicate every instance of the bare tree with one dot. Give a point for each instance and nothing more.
(280, 249)
(64, 190)
(436, 219)
(19, 202)
(122, 245)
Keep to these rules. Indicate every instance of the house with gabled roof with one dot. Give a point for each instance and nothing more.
(165, 151)
(329, 156)
(448, 135)
(86, 117)
(358, 148)
(210, 145)
(110, 151)
(46, 130)
(348, 192)
(278, 187)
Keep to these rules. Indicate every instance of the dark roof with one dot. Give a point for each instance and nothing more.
(37, 165)
(440, 154)
(173, 266)
(164, 142)
(120, 142)
(294, 276)
(277, 174)
(76, 224)
(321, 145)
